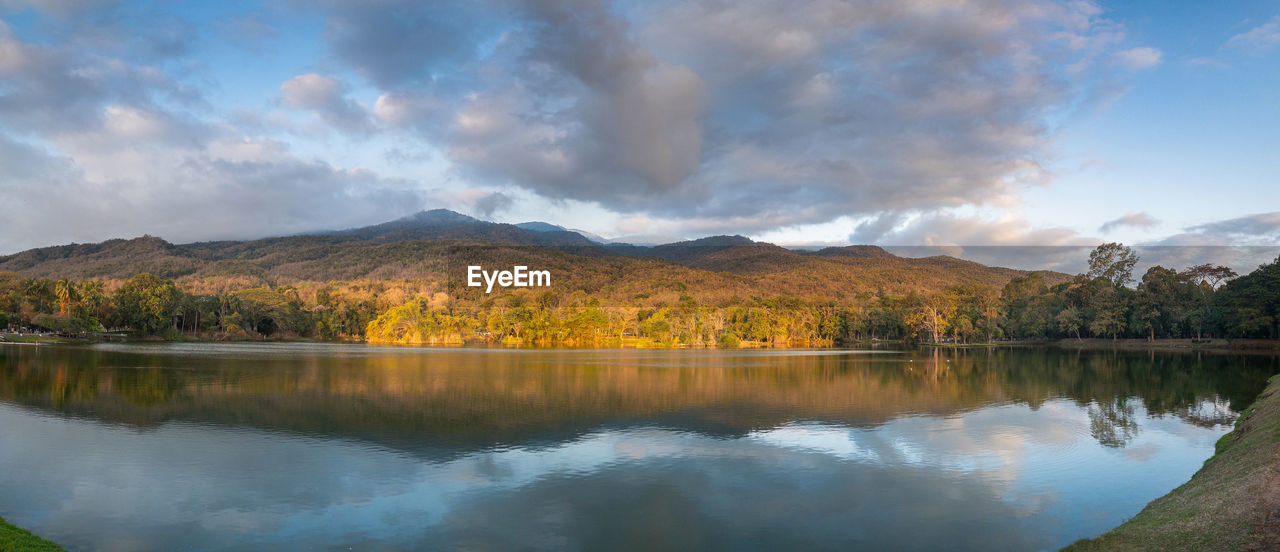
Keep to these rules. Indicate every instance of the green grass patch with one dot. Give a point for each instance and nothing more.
(17, 539)
(27, 338)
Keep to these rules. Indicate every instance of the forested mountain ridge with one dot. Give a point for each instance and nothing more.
(431, 243)
(367, 284)
(406, 282)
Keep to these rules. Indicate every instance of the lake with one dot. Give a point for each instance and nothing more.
(318, 446)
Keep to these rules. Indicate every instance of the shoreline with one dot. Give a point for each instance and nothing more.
(1258, 346)
(1231, 503)
(1235, 345)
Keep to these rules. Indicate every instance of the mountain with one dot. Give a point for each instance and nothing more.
(535, 226)
(442, 224)
(854, 251)
(438, 244)
(722, 254)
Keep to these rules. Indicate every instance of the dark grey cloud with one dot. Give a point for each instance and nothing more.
(113, 28)
(763, 111)
(1262, 226)
(53, 89)
(1261, 229)
(581, 111)
(1137, 220)
(492, 202)
(395, 43)
(707, 117)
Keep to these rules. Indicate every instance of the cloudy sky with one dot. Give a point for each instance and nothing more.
(896, 122)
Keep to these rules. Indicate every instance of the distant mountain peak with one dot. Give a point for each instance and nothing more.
(438, 216)
(539, 226)
(855, 251)
(715, 241)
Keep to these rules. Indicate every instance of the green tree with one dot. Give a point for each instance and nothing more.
(1114, 262)
(1070, 320)
(1251, 303)
(1206, 278)
(146, 303)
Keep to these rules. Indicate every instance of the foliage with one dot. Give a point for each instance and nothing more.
(146, 303)
(1251, 303)
(657, 308)
(1112, 262)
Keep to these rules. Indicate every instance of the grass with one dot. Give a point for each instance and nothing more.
(1232, 503)
(17, 539)
(1262, 345)
(30, 338)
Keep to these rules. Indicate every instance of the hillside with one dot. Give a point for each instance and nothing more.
(438, 245)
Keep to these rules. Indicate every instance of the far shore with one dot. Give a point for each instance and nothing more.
(1253, 346)
(1239, 345)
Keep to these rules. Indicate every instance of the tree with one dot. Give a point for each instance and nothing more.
(1108, 306)
(66, 296)
(1206, 278)
(1251, 303)
(1018, 297)
(1209, 273)
(1162, 302)
(1114, 262)
(146, 302)
(91, 304)
(1070, 320)
(934, 313)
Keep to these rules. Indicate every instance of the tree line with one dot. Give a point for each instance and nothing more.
(1106, 302)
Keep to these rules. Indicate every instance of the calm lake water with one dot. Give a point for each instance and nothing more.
(301, 446)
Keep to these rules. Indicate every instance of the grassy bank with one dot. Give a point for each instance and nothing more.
(33, 338)
(1242, 345)
(1232, 503)
(17, 539)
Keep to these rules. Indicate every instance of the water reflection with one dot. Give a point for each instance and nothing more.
(161, 447)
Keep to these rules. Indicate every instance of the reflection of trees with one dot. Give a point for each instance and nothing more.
(1113, 423)
(147, 386)
(479, 399)
(1207, 413)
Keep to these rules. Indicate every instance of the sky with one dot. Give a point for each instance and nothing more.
(966, 127)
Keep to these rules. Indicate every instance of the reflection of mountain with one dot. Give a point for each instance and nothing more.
(461, 400)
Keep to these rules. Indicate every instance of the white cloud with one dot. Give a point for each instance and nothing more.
(1139, 58)
(1137, 220)
(326, 96)
(1259, 39)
